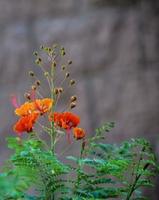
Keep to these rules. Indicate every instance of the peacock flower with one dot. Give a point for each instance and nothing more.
(79, 133)
(66, 120)
(25, 109)
(40, 106)
(25, 123)
(43, 105)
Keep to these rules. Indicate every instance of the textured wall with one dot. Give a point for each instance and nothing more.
(115, 60)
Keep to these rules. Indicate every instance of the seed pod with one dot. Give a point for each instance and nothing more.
(37, 83)
(31, 73)
(69, 62)
(72, 105)
(27, 96)
(73, 98)
(67, 74)
(33, 87)
(72, 82)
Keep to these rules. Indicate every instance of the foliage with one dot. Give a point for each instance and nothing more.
(101, 171)
(111, 171)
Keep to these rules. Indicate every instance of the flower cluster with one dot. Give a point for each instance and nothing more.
(30, 112)
(67, 121)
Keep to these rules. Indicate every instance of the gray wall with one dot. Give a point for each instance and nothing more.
(115, 56)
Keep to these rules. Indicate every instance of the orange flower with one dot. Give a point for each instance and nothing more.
(43, 105)
(38, 106)
(66, 120)
(57, 118)
(79, 133)
(25, 109)
(25, 123)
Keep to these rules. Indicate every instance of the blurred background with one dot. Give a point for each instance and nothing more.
(114, 45)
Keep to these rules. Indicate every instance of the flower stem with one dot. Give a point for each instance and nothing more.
(52, 123)
(53, 133)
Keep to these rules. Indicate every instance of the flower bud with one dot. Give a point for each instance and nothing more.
(69, 62)
(72, 105)
(46, 49)
(37, 83)
(67, 74)
(46, 74)
(27, 96)
(73, 98)
(79, 134)
(41, 47)
(38, 61)
(35, 53)
(56, 91)
(72, 82)
(31, 73)
(63, 51)
(63, 67)
(54, 64)
(60, 90)
(33, 87)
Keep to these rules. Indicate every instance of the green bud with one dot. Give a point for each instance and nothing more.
(54, 64)
(35, 53)
(63, 67)
(72, 82)
(31, 73)
(46, 74)
(41, 47)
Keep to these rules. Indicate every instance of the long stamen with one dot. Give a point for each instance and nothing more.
(14, 101)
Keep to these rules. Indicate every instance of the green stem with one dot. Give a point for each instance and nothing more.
(132, 188)
(137, 177)
(78, 171)
(135, 182)
(52, 97)
(53, 133)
